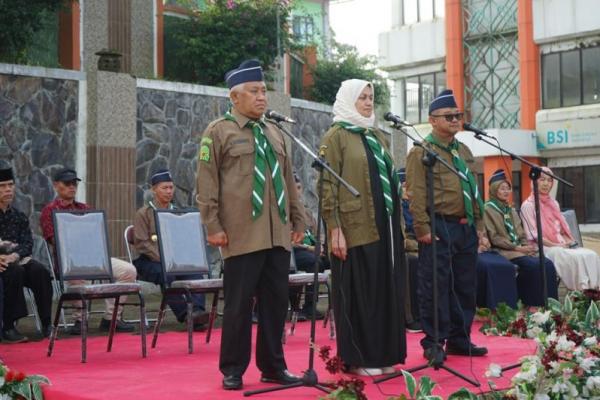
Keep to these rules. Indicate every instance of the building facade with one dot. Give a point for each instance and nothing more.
(527, 71)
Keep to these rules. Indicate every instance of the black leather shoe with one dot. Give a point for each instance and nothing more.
(47, 330)
(200, 317)
(435, 355)
(470, 350)
(12, 335)
(232, 382)
(121, 326)
(75, 329)
(283, 377)
(306, 313)
(414, 327)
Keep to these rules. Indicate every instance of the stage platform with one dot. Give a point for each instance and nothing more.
(170, 372)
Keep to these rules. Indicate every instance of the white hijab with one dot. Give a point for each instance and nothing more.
(344, 108)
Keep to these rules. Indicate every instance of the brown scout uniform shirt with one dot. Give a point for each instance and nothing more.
(498, 235)
(224, 187)
(447, 196)
(346, 154)
(144, 227)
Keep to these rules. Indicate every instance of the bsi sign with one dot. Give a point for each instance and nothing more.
(568, 134)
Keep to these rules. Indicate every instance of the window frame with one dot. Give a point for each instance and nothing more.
(434, 12)
(560, 54)
(420, 105)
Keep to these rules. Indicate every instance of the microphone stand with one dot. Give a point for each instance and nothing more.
(310, 378)
(429, 159)
(534, 173)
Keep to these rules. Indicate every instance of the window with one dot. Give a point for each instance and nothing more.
(551, 80)
(303, 28)
(419, 91)
(571, 78)
(584, 197)
(422, 10)
(516, 189)
(592, 193)
(590, 67)
(296, 78)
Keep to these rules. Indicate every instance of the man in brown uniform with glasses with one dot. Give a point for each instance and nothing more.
(459, 228)
(249, 204)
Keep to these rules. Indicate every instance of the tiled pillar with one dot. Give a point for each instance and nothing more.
(455, 65)
(529, 66)
(111, 180)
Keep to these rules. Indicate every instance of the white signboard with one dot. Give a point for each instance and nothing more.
(568, 134)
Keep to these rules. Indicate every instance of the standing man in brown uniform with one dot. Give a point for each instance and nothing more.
(249, 205)
(459, 222)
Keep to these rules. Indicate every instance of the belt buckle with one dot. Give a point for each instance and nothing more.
(463, 221)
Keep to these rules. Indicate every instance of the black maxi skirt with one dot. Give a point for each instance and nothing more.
(368, 300)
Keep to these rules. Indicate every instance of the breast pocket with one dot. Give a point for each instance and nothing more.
(242, 159)
(350, 212)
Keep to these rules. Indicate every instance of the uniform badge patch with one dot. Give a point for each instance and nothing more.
(204, 153)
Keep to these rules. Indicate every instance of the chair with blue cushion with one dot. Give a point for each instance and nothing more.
(82, 253)
(183, 253)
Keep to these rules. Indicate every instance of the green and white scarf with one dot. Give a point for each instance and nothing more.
(469, 188)
(505, 210)
(384, 163)
(170, 207)
(264, 156)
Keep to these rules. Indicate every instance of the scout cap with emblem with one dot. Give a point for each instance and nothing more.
(6, 174)
(161, 175)
(65, 175)
(248, 71)
(444, 100)
(498, 176)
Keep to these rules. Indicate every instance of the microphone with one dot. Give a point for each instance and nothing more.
(476, 131)
(389, 116)
(275, 116)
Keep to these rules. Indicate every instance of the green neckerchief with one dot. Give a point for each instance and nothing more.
(309, 238)
(505, 210)
(468, 188)
(170, 207)
(384, 163)
(264, 156)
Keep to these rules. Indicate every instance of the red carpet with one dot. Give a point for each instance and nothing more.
(170, 373)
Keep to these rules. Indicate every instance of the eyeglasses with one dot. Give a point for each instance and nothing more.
(450, 117)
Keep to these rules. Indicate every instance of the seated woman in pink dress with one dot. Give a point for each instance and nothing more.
(577, 267)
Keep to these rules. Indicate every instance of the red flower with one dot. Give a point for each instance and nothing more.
(10, 376)
(19, 376)
(324, 352)
(334, 365)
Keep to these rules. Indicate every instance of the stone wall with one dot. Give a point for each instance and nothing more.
(38, 135)
(313, 120)
(169, 125)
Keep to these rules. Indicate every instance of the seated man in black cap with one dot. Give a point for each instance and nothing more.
(146, 244)
(17, 268)
(65, 184)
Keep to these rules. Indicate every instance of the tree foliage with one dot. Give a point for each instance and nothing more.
(345, 63)
(224, 34)
(20, 20)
